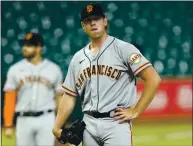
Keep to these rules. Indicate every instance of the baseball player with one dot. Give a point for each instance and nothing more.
(103, 75)
(36, 82)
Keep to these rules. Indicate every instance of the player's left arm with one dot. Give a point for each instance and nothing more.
(151, 83)
(142, 68)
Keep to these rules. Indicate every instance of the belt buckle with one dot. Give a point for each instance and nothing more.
(21, 113)
(45, 112)
(112, 113)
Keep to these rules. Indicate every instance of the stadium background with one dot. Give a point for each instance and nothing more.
(161, 30)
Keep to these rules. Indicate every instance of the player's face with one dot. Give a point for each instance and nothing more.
(95, 26)
(29, 51)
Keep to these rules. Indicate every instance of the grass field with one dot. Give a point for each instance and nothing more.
(151, 134)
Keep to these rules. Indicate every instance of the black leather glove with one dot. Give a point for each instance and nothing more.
(73, 134)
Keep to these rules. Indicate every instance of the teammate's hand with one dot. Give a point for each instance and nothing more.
(124, 114)
(9, 132)
(57, 132)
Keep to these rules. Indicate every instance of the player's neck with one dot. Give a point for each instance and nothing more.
(96, 44)
(36, 60)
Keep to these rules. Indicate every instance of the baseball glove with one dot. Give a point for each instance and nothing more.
(73, 134)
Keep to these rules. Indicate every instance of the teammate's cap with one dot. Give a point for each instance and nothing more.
(92, 10)
(34, 39)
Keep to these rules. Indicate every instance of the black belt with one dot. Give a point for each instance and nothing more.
(33, 114)
(97, 114)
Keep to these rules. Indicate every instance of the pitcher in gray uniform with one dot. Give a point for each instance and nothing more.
(103, 74)
(36, 82)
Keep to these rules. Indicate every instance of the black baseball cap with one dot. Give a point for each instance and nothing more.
(92, 10)
(33, 39)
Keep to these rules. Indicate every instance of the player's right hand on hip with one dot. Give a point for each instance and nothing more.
(9, 132)
(57, 132)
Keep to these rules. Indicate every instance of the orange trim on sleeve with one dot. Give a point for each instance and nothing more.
(9, 107)
(73, 92)
(141, 67)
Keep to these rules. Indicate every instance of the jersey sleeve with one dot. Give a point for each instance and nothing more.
(59, 81)
(10, 83)
(69, 83)
(133, 57)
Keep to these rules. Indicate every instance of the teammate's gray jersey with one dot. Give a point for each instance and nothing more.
(35, 84)
(104, 81)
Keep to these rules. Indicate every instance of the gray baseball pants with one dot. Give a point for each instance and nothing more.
(35, 131)
(106, 132)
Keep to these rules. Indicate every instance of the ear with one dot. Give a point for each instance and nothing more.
(39, 49)
(105, 21)
(82, 24)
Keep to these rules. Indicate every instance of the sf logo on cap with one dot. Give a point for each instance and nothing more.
(28, 36)
(89, 8)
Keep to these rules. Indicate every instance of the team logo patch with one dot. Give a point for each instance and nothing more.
(89, 8)
(28, 36)
(134, 58)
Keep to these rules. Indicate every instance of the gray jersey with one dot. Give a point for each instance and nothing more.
(105, 80)
(35, 84)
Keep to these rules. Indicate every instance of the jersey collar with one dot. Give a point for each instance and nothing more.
(43, 63)
(105, 44)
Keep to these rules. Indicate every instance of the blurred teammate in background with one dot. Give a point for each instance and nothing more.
(32, 91)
